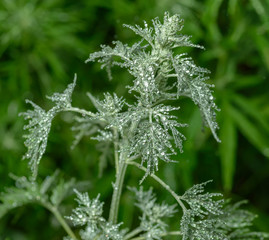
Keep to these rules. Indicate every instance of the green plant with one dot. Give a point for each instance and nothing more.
(144, 129)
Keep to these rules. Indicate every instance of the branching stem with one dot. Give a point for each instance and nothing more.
(60, 219)
(117, 189)
(160, 181)
(132, 233)
(116, 149)
(81, 111)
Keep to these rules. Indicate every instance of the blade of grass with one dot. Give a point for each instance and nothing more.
(250, 131)
(228, 136)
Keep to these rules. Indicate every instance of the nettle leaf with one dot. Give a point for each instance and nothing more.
(235, 217)
(52, 191)
(161, 114)
(152, 223)
(107, 231)
(39, 126)
(61, 190)
(84, 126)
(145, 33)
(201, 203)
(64, 99)
(238, 223)
(203, 215)
(89, 214)
(25, 192)
(143, 69)
(109, 110)
(152, 142)
(246, 234)
(166, 33)
(159, 75)
(88, 211)
(154, 136)
(209, 219)
(200, 230)
(49, 182)
(191, 82)
(38, 130)
(122, 51)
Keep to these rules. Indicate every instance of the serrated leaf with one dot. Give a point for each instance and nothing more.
(60, 191)
(203, 204)
(152, 223)
(39, 126)
(48, 182)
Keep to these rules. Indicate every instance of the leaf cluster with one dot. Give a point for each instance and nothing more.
(89, 214)
(152, 224)
(210, 218)
(152, 64)
(50, 193)
(39, 125)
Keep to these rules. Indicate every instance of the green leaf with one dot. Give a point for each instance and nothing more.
(262, 45)
(232, 7)
(260, 9)
(61, 191)
(250, 131)
(39, 125)
(152, 224)
(209, 18)
(48, 182)
(228, 144)
(252, 110)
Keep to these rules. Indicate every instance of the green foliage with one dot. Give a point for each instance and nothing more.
(32, 38)
(143, 130)
(237, 222)
(89, 213)
(207, 218)
(49, 193)
(152, 64)
(152, 223)
(200, 220)
(40, 123)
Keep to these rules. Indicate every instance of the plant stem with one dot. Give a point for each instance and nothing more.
(132, 233)
(116, 148)
(60, 219)
(114, 207)
(81, 111)
(167, 187)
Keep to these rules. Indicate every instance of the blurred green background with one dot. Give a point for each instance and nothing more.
(43, 43)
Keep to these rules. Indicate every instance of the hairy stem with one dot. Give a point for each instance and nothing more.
(167, 187)
(60, 219)
(81, 111)
(116, 149)
(117, 189)
(132, 233)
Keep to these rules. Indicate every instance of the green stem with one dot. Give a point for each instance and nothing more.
(132, 233)
(114, 207)
(116, 148)
(81, 111)
(60, 219)
(167, 187)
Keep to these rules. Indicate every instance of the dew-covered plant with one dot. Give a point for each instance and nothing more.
(142, 133)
